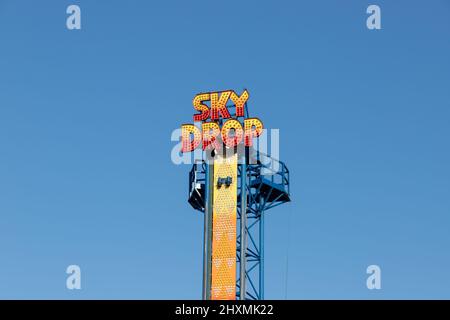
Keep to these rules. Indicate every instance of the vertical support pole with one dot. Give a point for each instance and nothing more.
(207, 232)
(243, 253)
(261, 248)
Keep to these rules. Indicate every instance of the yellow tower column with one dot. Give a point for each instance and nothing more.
(224, 221)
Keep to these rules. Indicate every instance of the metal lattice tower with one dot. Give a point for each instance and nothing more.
(265, 182)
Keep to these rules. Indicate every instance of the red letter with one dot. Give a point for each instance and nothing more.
(249, 132)
(238, 132)
(186, 144)
(210, 130)
(199, 106)
(219, 105)
(239, 102)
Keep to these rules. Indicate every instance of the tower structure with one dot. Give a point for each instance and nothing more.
(235, 192)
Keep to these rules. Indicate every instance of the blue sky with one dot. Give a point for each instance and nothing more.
(85, 123)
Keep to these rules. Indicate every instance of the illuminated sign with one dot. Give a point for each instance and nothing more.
(222, 124)
(211, 135)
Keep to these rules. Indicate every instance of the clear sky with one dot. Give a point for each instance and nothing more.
(86, 116)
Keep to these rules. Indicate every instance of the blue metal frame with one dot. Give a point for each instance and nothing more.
(263, 193)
